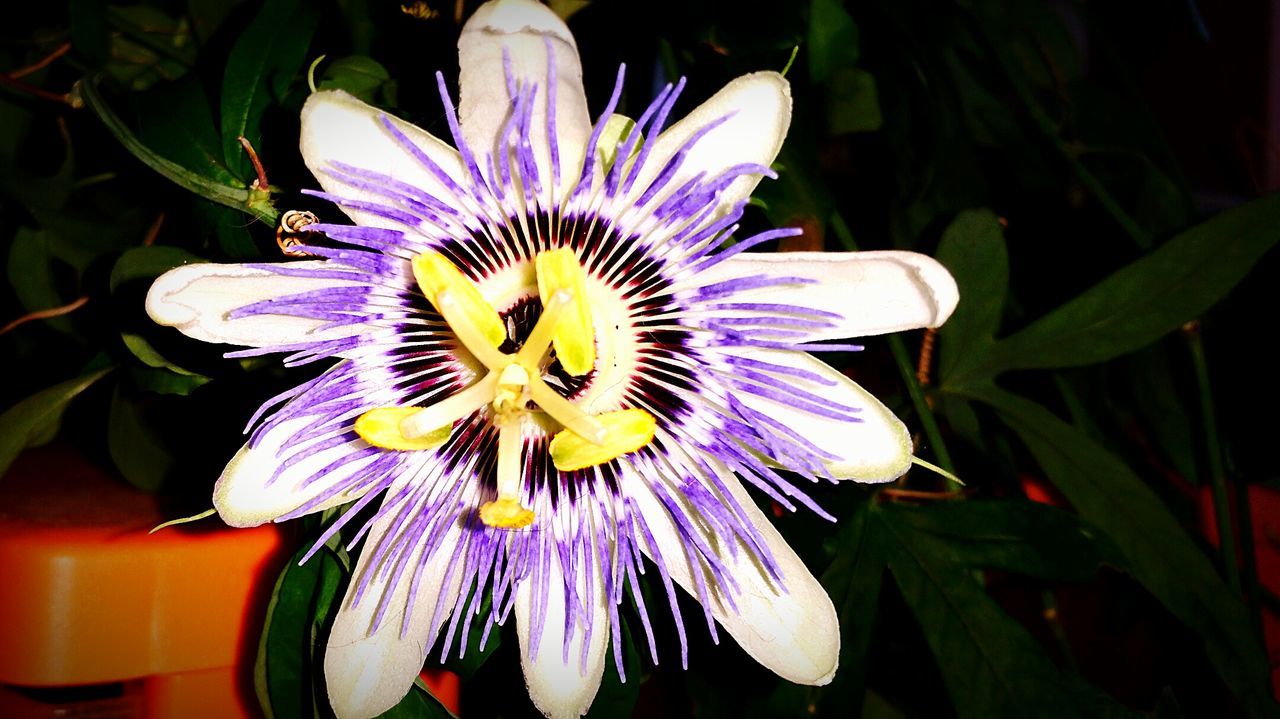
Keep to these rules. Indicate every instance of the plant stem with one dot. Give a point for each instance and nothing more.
(905, 367)
(1069, 152)
(1213, 448)
(252, 201)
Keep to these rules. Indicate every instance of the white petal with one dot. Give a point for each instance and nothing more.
(792, 629)
(876, 449)
(759, 109)
(337, 127)
(522, 28)
(368, 672)
(197, 298)
(245, 496)
(873, 292)
(562, 690)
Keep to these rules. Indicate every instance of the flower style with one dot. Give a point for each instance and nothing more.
(550, 366)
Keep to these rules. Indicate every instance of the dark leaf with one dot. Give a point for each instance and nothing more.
(142, 458)
(176, 122)
(1157, 550)
(853, 581)
(1017, 536)
(252, 201)
(833, 39)
(148, 262)
(991, 665)
(417, 704)
(617, 695)
(1154, 295)
(476, 655)
(853, 102)
(288, 661)
(973, 248)
(262, 65)
(31, 275)
(165, 377)
(35, 420)
(361, 76)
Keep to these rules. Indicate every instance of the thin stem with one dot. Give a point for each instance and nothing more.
(251, 201)
(261, 182)
(1213, 448)
(43, 62)
(906, 367)
(32, 90)
(45, 314)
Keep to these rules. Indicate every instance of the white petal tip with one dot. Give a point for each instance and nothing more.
(162, 305)
(512, 16)
(941, 286)
(241, 502)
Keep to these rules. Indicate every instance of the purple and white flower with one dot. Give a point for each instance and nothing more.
(547, 365)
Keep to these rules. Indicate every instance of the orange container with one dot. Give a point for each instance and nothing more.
(98, 615)
(100, 619)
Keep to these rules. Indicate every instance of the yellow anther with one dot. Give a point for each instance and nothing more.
(436, 275)
(505, 514)
(626, 431)
(506, 511)
(574, 334)
(428, 419)
(565, 412)
(382, 428)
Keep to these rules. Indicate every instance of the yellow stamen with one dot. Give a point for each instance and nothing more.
(565, 412)
(574, 336)
(436, 275)
(470, 335)
(506, 512)
(381, 428)
(539, 341)
(627, 430)
(424, 420)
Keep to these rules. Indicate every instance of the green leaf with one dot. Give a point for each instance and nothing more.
(617, 698)
(1157, 550)
(419, 703)
(31, 275)
(991, 665)
(288, 661)
(973, 248)
(262, 64)
(175, 120)
(475, 657)
(361, 76)
(164, 377)
(1017, 536)
(853, 582)
(1152, 296)
(853, 102)
(833, 39)
(149, 46)
(163, 381)
(148, 262)
(251, 201)
(1161, 404)
(141, 458)
(89, 32)
(35, 420)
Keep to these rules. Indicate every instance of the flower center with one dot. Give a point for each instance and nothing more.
(512, 385)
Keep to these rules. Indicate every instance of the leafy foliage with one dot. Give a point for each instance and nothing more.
(1013, 141)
